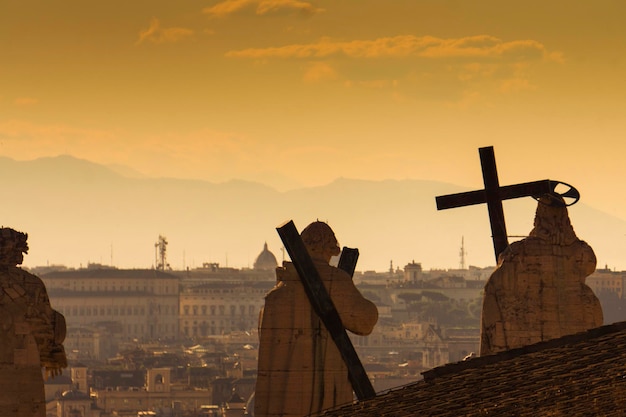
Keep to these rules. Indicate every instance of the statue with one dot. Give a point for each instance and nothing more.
(300, 369)
(538, 290)
(33, 332)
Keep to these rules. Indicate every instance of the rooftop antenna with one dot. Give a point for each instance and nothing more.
(160, 253)
(462, 253)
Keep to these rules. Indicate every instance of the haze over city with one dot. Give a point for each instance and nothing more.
(296, 94)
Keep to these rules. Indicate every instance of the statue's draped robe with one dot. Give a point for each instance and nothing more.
(538, 290)
(300, 369)
(32, 337)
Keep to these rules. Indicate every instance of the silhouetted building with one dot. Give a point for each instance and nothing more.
(266, 261)
(413, 272)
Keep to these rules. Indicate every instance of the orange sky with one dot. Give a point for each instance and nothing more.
(292, 92)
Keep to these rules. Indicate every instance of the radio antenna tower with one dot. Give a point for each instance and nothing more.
(462, 253)
(160, 253)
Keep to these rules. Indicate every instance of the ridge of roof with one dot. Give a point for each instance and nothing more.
(479, 361)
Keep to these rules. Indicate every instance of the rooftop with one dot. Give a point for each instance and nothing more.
(577, 375)
(109, 273)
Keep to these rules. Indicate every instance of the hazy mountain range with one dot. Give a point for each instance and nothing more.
(77, 212)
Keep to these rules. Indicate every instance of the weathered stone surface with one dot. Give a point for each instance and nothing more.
(538, 290)
(33, 332)
(300, 369)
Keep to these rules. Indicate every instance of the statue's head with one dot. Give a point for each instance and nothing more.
(552, 222)
(13, 246)
(320, 241)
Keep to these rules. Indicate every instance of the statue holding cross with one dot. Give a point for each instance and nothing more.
(306, 361)
(538, 290)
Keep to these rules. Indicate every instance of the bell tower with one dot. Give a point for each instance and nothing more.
(158, 380)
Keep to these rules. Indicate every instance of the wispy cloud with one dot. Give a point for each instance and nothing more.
(319, 71)
(25, 101)
(157, 34)
(262, 7)
(516, 85)
(480, 46)
(25, 134)
(446, 69)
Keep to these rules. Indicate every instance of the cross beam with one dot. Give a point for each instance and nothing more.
(493, 195)
(323, 305)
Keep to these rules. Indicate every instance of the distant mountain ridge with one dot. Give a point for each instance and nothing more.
(77, 212)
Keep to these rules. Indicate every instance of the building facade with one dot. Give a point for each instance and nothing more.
(605, 280)
(218, 308)
(140, 303)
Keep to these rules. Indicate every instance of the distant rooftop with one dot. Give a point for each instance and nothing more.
(110, 273)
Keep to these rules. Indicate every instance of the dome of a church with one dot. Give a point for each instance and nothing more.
(266, 261)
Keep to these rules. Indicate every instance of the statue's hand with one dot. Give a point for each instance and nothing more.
(55, 363)
(58, 359)
(52, 372)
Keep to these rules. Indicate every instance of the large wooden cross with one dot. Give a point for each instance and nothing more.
(493, 195)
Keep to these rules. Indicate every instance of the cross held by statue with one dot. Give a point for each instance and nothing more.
(493, 195)
(323, 305)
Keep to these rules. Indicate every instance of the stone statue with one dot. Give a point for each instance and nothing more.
(300, 369)
(538, 290)
(33, 332)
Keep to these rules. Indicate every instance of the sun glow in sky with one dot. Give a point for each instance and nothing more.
(298, 92)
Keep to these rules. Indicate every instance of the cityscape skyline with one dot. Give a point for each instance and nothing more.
(77, 212)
